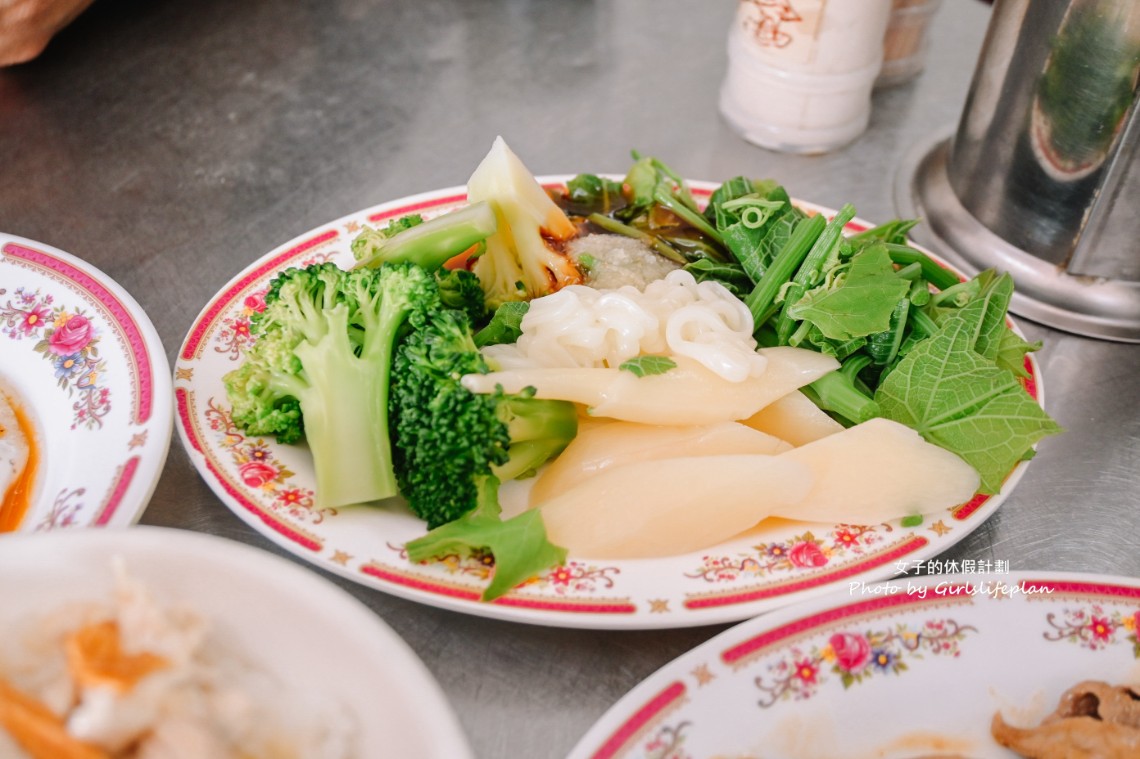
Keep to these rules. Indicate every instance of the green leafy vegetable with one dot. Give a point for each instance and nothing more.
(596, 193)
(519, 545)
(505, 325)
(645, 366)
(956, 398)
(731, 275)
(859, 303)
(756, 227)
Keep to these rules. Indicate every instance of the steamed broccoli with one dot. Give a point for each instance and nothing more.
(321, 365)
(460, 289)
(410, 239)
(431, 244)
(448, 440)
(520, 262)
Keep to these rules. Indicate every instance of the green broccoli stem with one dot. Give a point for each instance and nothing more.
(783, 266)
(539, 429)
(613, 225)
(836, 392)
(932, 271)
(808, 272)
(345, 408)
(432, 243)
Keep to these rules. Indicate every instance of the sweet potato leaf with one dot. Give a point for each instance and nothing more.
(857, 304)
(958, 399)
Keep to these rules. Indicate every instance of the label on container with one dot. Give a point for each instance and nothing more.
(785, 30)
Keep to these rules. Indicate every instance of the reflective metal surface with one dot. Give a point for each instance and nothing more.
(172, 142)
(1042, 176)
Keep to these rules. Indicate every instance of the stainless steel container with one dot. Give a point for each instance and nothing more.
(1042, 176)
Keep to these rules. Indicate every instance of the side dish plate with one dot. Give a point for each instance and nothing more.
(81, 357)
(270, 486)
(896, 670)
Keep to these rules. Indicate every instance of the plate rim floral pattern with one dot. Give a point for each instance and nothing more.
(602, 595)
(651, 720)
(108, 362)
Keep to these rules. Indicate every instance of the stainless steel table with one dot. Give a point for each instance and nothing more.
(171, 143)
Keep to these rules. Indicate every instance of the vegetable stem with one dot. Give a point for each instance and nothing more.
(893, 232)
(808, 271)
(613, 225)
(932, 271)
(783, 266)
(836, 392)
(691, 217)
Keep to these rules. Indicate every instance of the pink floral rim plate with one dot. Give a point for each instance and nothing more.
(270, 486)
(86, 364)
(910, 668)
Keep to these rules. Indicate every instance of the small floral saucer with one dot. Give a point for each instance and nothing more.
(85, 364)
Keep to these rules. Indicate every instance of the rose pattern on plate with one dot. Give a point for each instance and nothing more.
(800, 552)
(854, 657)
(667, 743)
(261, 471)
(68, 339)
(1095, 627)
(575, 577)
(236, 336)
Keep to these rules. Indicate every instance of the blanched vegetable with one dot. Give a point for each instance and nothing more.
(604, 445)
(518, 263)
(794, 418)
(687, 394)
(651, 508)
(878, 471)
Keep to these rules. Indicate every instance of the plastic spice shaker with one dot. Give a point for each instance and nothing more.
(800, 72)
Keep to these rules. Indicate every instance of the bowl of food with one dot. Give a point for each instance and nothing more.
(157, 642)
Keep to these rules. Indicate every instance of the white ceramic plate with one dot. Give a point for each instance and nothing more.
(270, 486)
(868, 672)
(85, 362)
(336, 651)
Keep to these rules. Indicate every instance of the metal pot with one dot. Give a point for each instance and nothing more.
(1042, 176)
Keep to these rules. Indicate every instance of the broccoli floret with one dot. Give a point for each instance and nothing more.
(321, 362)
(446, 439)
(430, 243)
(460, 289)
(519, 262)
